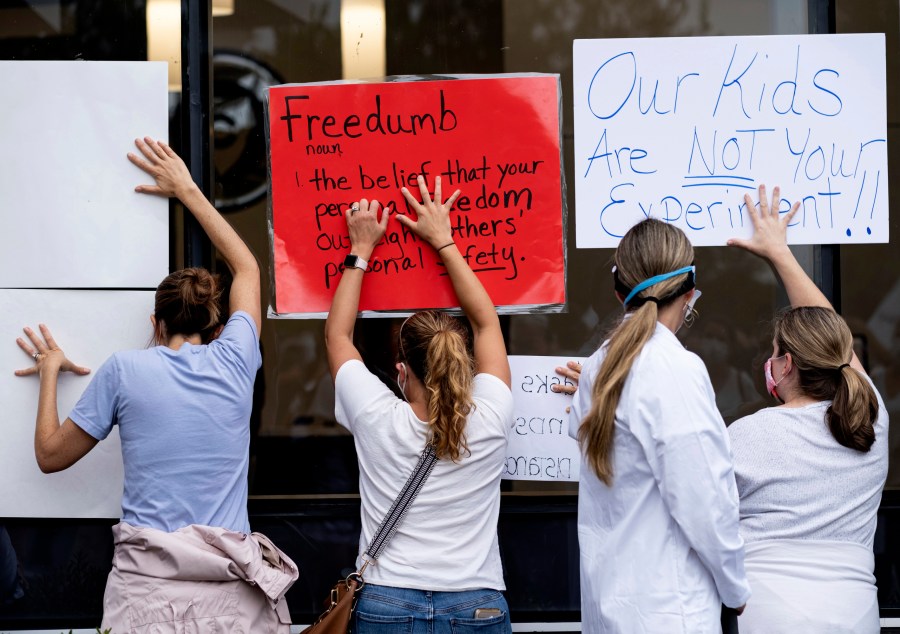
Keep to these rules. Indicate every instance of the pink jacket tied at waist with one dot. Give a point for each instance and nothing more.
(196, 579)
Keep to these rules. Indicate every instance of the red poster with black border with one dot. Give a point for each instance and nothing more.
(496, 138)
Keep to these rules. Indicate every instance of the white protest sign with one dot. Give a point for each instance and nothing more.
(89, 326)
(70, 216)
(539, 446)
(681, 128)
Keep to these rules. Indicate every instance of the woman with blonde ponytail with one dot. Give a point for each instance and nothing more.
(810, 471)
(657, 510)
(182, 408)
(441, 571)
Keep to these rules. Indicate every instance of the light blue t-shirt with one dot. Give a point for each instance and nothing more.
(184, 420)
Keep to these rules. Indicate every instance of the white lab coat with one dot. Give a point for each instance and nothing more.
(660, 549)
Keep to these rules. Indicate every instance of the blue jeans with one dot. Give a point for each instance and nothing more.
(389, 610)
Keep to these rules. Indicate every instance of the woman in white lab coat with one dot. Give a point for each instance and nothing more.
(658, 506)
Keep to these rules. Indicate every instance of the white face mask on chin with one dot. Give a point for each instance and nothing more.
(400, 382)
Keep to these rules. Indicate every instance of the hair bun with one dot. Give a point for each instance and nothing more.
(187, 303)
(197, 287)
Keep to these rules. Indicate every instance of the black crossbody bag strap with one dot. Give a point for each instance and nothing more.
(401, 505)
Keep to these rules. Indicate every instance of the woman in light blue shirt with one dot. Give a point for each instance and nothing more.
(182, 406)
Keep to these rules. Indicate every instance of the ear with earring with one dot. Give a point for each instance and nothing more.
(691, 313)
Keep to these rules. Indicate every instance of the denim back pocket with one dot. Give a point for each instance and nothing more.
(379, 624)
(493, 625)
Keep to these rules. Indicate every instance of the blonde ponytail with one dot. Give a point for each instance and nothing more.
(448, 382)
(649, 249)
(625, 344)
(436, 347)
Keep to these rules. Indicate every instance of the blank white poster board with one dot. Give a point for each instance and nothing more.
(539, 446)
(70, 217)
(89, 326)
(681, 128)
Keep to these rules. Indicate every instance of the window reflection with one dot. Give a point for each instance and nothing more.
(302, 42)
(870, 288)
(239, 130)
(871, 301)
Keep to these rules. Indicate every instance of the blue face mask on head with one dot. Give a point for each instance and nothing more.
(656, 279)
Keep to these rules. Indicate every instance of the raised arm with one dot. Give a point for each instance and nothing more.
(365, 232)
(173, 179)
(56, 446)
(769, 241)
(433, 226)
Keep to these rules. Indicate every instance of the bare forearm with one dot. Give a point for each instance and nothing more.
(47, 423)
(344, 306)
(365, 231)
(223, 236)
(801, 290)
(473, 299)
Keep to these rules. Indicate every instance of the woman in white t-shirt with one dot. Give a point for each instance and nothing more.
(442, 569)
(810, 471)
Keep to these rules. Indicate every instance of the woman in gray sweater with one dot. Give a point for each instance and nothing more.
(810, 470)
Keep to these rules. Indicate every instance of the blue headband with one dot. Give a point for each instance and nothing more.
(656, 280)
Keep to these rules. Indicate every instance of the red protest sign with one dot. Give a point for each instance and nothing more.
(496, 139)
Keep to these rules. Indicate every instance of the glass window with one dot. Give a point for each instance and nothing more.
(870, 275)
(299, 449)
(53, 571)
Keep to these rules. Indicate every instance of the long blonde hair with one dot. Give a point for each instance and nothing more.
(821, 346)
(650, 248)
(436, 347)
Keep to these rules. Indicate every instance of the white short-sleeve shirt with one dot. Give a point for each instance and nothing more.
(448, 539)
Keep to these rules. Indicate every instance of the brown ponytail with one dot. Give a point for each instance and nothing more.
(187, 303)
(436, 347)
(650, 248)
(821, 345)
